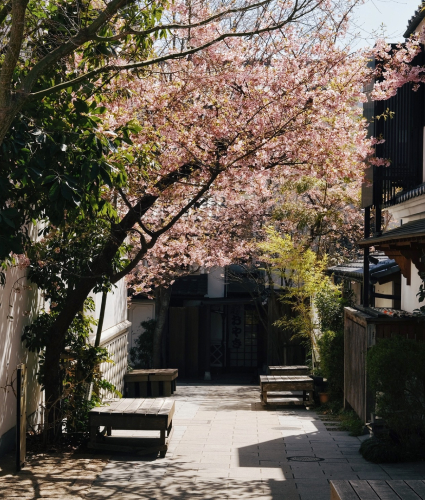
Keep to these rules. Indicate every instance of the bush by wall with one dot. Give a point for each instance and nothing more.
(331, 350)
(396, 371)
(141, 355)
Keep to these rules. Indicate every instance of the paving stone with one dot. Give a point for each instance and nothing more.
(224, 446)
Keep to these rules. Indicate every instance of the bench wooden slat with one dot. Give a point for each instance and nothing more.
(403, 490)
(383, 490)
(144, 407)
(134, 405)
(166, 407)
(391, 489)
(121, 406)
(107, 406)
(418, 486)
(157, 404)
(363, 490)
(342, 490)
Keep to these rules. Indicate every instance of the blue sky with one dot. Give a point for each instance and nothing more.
(394, 14)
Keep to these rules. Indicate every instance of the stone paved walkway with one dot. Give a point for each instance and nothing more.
(225, 445)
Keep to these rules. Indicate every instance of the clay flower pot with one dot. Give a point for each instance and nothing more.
(323, 397)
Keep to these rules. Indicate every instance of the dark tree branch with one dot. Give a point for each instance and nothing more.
(5, 10)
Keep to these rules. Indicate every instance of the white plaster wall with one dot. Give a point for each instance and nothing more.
(409, 301)
(386, 288)
(139, 311)
(216, 282)
(408, 211)
(116, 305)
(18, 307)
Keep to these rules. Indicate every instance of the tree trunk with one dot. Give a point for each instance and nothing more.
(7, 115)
(54, 351)
(162, 302)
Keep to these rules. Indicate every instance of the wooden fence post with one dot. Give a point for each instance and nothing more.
(21, 416)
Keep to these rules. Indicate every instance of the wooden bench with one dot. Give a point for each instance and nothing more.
(289, 370)
(392, 489)
(150, 383)
(279, 390)
(132, 414)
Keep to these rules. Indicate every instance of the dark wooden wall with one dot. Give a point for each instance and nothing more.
(183, 340)
(361, 332)
(355, 348)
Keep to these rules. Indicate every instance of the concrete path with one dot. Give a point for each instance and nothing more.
(225, 445)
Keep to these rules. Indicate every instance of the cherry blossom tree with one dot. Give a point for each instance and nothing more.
(321, 215)
(61, 54)
(217, 133)
(39, 37)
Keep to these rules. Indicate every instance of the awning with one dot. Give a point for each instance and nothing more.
(404, 244)
(412, 231)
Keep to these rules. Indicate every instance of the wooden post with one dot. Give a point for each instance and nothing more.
(21, 416)
(366, 277)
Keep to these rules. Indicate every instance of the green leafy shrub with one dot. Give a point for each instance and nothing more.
(330, 303)
(80, 366)
(331, 351)
(141, 354)
(396, 370)
(382, 450)
(352, 423)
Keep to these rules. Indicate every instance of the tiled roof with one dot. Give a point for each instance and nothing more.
(414, 229)
(415, 20)
(354, 269)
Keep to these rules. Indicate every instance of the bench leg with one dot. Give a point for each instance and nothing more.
(167, 388)
(310, 398)
(108, 431)
(143, 389)
(93, 433)
(155, 389)
(162, 442)
(170, 428)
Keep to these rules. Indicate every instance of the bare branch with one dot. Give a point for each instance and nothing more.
(175, 26)
(177, 55)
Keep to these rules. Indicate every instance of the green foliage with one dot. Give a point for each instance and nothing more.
(352, 423)
(141, 354)
(80, 374)
(396, 371)
(421, 293)
(55, 165)
(80, 368)
(330, 303)
(344, 420)
(58, 262)
(382, 450)
(331, 351)
(303, 274)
